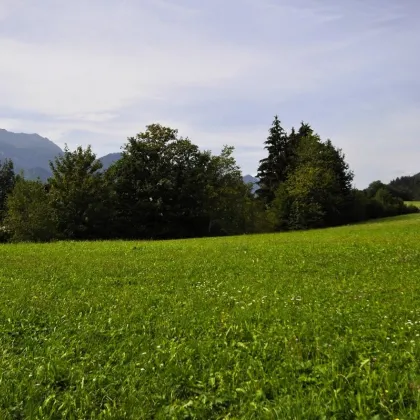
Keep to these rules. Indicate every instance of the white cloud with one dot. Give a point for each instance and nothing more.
(98, 71)
(61, 81)
(80, 72)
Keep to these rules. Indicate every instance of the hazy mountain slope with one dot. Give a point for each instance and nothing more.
(29, 152)
(108, 160)
(249, 179)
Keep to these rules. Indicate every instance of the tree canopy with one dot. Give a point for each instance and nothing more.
(164, 186)
(7, 181)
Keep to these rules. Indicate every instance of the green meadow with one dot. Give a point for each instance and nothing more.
(413, 203)
(319, 324)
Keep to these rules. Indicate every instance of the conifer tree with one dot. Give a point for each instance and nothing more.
(273, 169)
(7, 180)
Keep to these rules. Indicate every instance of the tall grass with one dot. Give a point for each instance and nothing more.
(307, 325)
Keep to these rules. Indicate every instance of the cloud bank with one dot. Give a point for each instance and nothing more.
(96, 72)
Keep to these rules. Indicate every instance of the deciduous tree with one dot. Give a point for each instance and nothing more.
(29, 215)
(79, 195)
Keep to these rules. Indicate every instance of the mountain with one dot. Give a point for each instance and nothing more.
(108, 160)
(30, 153)
(249, 179)
(35, 173)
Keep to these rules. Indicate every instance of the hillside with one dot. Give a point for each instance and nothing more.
(109, 159)
(301, 325)
(249, 179)
(29, 152)
(408, 187)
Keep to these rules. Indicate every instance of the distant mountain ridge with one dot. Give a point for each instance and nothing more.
(32, 153)
(249, 179)
(109, 159)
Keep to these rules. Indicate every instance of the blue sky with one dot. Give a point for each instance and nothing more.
(95, 72)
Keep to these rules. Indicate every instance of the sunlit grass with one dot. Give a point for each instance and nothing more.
(306, 325)
(413, 203)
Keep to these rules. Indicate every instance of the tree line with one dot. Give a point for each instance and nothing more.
(165, 187)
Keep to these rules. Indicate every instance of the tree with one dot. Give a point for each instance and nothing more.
(7, 180)
(229, 203)
(392, 206)
(308, 192)
(406, 187)
(29, 216)
(273, 169)
(373, 188)
(281, 161)
(79, 195)
(318, 189)
(159, 184)
(167, 188)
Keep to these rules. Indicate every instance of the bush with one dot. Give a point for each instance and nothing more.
(409, 209)
(5, 234)
(29, 217)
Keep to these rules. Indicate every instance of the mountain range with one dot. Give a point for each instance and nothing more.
(32, 153)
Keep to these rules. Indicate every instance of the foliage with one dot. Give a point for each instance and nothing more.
(317, 191)
(165, 187)
(412, 203)
(79, 195)
(228, 200)
(157, 185)
(307, 325)
(29, 216)
(273, 169)
(373, 188)
(406, 187)
(5, 234)
(7, 180)
(381, 201)
(281, 160)
(392, 205)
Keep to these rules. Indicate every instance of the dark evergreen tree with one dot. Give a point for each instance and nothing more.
(406, 187)
(272, 170)
(281, 160)
(7, 181)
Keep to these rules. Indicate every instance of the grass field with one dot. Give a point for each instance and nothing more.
(413, 203)
(306, 325)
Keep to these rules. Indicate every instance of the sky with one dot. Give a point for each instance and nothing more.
(96, 72)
